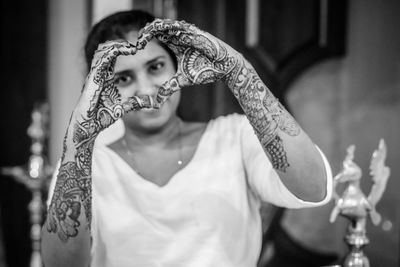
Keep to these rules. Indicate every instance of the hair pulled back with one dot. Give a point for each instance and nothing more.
(117, 26)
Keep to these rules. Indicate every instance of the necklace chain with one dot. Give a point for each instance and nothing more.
(180, 159)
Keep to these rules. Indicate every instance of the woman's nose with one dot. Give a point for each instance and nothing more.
(147, 86)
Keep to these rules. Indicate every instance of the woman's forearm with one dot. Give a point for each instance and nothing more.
(290, 150)
(66, 232)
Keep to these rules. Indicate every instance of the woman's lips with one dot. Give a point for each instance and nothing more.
(150, 111)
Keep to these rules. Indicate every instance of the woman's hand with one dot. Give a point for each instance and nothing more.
(100, 104)
(202, 58)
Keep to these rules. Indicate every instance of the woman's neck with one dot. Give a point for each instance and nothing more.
(164, 136)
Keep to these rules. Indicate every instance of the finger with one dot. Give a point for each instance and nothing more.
(126, 48)
(180, 35)
(162, 29)
(102, 72)
(107, 52)
(170, 87)
(137, 103)
(120, 45)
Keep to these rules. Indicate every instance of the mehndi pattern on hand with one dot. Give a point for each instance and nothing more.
(203, 58)
(100, 105)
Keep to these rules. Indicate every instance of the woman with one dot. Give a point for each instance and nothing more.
(166, 192)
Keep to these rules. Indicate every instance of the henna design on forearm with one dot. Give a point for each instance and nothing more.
(73, 189)
(101, 107)
(277, 153)
(265, 113)
(202, 58)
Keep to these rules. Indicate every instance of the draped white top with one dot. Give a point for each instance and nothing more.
(208, 213)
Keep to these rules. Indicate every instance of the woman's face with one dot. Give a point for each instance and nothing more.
(143, 74)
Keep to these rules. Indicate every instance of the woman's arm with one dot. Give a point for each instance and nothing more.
(202, 58)
(291, 152)
(66, 232)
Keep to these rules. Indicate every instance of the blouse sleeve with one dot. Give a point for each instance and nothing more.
(264, 181)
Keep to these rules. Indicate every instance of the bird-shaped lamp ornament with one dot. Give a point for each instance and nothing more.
(354, 205)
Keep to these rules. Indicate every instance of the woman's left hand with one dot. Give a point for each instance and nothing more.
(202, 58)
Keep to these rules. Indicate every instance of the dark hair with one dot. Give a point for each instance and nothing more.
(117, 26)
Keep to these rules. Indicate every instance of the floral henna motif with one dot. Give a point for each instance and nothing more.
(72, 190)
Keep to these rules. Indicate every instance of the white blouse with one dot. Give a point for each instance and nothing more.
(206, 215)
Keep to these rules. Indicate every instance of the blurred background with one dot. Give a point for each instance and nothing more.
(335, 64)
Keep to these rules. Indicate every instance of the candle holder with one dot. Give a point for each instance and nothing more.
(355, 206)
(35, 176)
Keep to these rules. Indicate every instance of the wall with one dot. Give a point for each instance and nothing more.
(23, 85)
(69, 22)
(67, 29)
(101, 8)
(355, 100)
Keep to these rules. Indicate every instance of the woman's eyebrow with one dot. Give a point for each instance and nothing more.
(122, 72)
(151, 61)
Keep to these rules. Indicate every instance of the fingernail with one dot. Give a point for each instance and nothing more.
(148, 103)
(151, 100)
(160, 100)
(126, 106)
(156, 105)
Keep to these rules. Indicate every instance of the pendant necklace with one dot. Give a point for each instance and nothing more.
(129, 152)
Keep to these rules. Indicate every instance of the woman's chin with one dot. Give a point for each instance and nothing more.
(148, 121)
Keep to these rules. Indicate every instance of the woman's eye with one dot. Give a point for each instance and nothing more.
(122, 80)
(156, 67)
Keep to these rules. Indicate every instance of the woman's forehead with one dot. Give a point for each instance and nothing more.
(152, 51)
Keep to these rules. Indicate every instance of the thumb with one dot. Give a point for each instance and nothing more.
(137, 103)
(177, 82)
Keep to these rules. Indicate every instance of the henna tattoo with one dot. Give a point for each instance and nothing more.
(267, 116)
(277, 153)
(202, 59)
(100, 108)
(72, 190)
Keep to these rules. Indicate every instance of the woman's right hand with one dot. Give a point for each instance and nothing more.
(100, 103)
(202, 58)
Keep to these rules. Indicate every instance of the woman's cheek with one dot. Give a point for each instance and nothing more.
(125, 93)
(175, 99)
